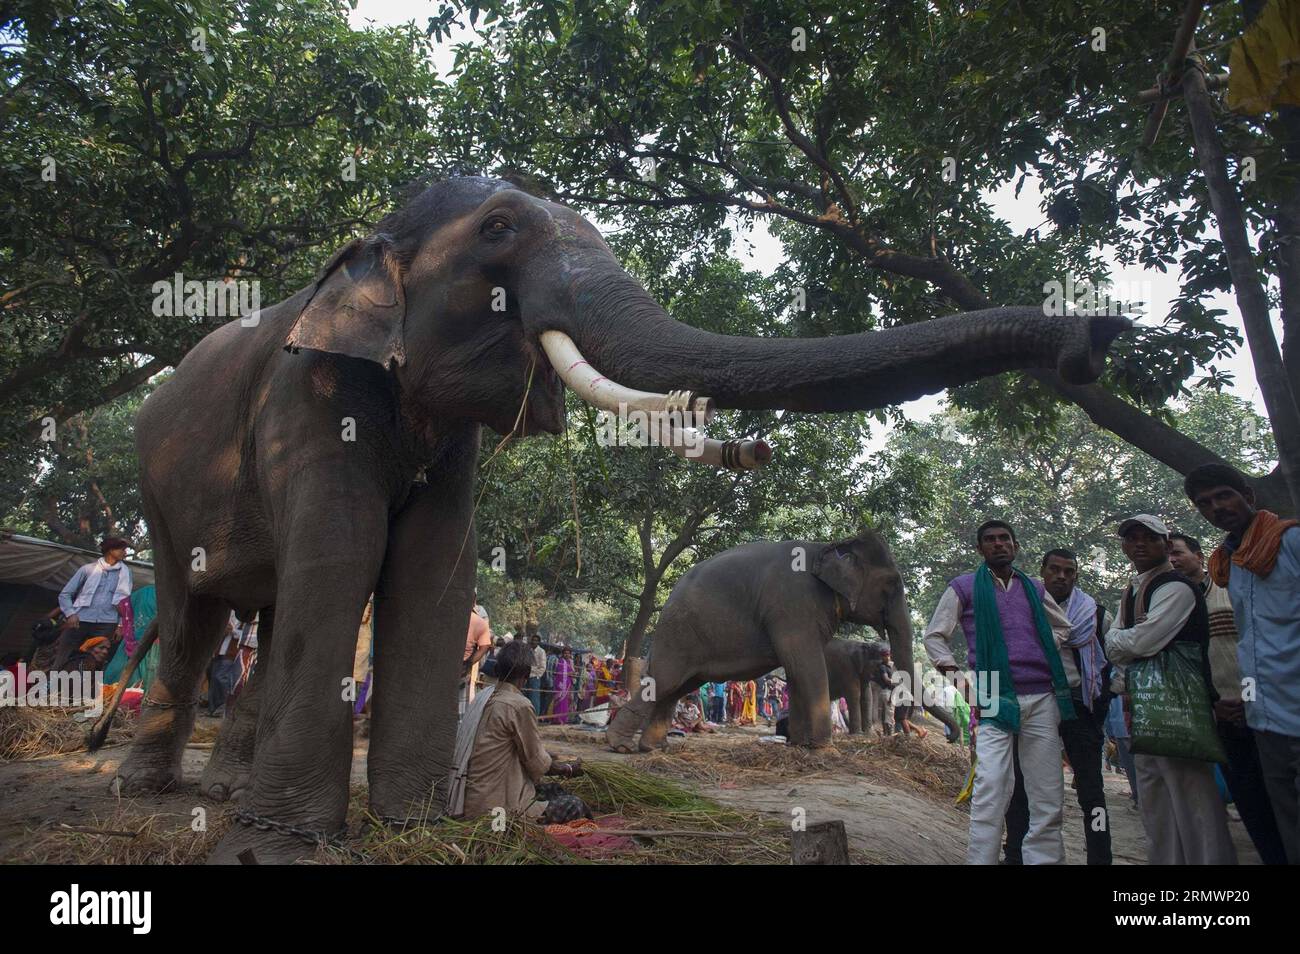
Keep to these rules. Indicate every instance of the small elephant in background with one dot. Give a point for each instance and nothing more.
(758, 606)
(852, 668)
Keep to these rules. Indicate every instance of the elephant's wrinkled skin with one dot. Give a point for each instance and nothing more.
(256, 497)
(762, 605)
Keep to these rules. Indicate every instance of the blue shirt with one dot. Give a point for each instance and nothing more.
(102, 608)
(1267, 612)
(1115, 727)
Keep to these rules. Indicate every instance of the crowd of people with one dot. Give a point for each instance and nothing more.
(1194, 677)
(562, 681)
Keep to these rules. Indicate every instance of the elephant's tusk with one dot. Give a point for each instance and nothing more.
(681, 408)
(598, 390)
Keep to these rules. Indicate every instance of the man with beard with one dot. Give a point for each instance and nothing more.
(1242, 773)
(1259, 563)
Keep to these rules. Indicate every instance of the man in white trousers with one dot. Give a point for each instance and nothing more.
(1014, 634)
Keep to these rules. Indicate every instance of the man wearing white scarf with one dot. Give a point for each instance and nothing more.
(89, 600)
(1082, 737)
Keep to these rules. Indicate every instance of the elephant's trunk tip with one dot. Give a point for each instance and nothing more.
(1083, 356)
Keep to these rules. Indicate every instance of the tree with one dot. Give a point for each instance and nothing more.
(869, 139)
(86, 482)
(222, 142)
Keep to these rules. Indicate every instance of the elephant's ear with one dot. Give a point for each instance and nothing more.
(837, 566)
(358, 307)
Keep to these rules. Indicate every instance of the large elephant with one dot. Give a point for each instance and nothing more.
(326, 448)
(758, 606)
(854, 668)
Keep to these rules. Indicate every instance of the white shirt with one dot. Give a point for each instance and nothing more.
(1166, 615)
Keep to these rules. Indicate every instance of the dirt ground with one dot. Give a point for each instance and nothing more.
(894, 796)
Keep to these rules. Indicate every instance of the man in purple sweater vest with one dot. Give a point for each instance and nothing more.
(1024, 648)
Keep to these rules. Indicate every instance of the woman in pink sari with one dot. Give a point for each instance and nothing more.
(563, 688)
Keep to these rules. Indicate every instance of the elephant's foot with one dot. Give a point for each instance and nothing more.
(654, 737)
(259, 847)
(225, 779)
(135, 777)
(153, 763)
(229, 771)
(620, 734)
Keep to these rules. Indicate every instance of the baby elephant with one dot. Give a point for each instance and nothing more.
(852, 667)
(758, 606)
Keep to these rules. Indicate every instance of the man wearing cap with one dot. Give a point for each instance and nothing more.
(89, 600)
(1014, 634)
(1259, 562)
(1182, 812)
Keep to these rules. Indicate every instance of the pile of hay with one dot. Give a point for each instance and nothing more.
(930, 768)
(35, 732)
(646, 803)
(127, 837)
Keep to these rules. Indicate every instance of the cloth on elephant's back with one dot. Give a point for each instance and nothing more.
(499, 759)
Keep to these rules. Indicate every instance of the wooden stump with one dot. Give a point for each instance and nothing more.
(825, 843)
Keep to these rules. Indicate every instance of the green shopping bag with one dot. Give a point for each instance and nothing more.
(1172, 715)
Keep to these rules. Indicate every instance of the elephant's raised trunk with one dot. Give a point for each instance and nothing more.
(633, 341)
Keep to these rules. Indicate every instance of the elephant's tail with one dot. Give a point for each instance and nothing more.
(99, 731)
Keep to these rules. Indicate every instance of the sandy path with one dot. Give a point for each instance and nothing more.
(886, 825)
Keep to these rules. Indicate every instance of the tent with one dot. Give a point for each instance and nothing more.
(32, 572)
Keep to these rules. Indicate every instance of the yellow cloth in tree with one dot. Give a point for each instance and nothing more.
(1264, 65)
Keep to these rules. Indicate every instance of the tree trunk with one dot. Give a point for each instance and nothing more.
(1252, 299)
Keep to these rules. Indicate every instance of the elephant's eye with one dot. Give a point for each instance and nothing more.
(496, 227)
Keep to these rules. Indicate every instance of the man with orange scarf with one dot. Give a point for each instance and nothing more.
(1259, 562)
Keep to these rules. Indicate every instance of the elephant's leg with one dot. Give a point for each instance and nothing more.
(422, 605)
(327, 564)
(855, 700)
(810, 700)
(189, 628)
(230, 769)
(655, 734)
(620, 734)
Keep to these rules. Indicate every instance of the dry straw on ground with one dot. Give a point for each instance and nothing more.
(35, 732)
(930, 768)
(28, 733)
(129, 836)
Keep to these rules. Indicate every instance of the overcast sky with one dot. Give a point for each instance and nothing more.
(763, 253)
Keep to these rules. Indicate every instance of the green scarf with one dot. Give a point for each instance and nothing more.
(991, 651)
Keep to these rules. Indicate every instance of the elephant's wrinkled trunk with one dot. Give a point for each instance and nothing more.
(632, 340)
(898, 623)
